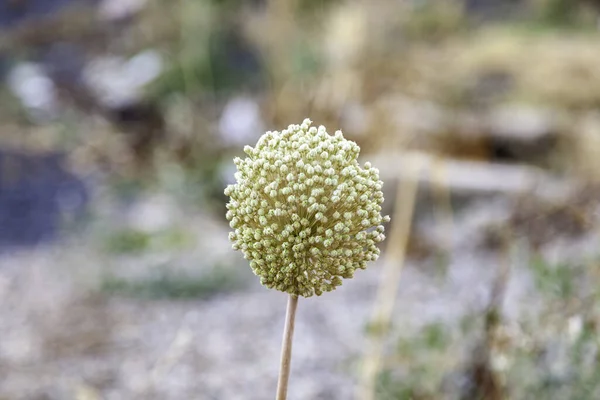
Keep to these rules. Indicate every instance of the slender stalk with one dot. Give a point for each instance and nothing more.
(286, 348)
(444, 213)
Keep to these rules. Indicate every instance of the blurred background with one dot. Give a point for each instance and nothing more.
(119, 120)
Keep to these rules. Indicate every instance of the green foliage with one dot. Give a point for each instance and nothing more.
(556, 280)
(559, 12)
(12, 109)
(390, 387)
(425, 362)
(435, 20)
(315, 6)
(133, 241)
(563, 15)
(175, 286)
(128, 241)
(432, 337)
(305, 60)
(562, 360)
(435, 336)
(222, 63)
(540, 373)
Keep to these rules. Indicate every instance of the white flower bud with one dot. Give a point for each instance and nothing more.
(302, 209)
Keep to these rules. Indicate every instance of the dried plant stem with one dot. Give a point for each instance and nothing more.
(388, 287)
(286, 348)
(280, 14)
(444, 213)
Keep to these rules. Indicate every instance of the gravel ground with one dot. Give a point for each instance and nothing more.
(62, 339)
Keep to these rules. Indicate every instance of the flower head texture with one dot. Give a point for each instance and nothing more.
(304, 212)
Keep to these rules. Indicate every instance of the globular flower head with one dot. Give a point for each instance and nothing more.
(303, 211)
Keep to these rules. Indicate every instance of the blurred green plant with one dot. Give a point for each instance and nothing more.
(556, 280)
(562, 16)
(128, 241)
(12, 110)
(561, 13)
(133, 241)
(435, 336)
(222, 63)
(557, 368)
(391, 388)
(420, 366)
(561, 357)
(175, 286)
(305, 60)
(435, 20)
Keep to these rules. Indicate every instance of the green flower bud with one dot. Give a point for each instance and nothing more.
(304, 212)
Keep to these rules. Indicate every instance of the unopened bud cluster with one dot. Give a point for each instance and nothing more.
(304, 212)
